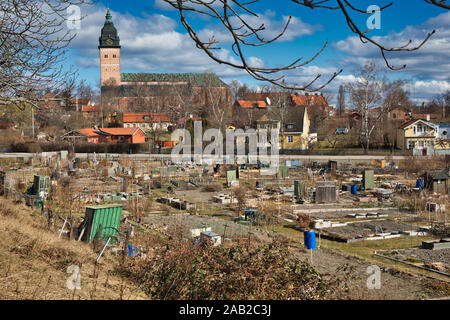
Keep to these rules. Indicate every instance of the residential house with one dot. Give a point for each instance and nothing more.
(427, 116)
(443, 142)
(444, 130)
(417, 135)
(400, 114)
(293, 127)
(87, 135)
(90, 112)
(50, 102)
(107, 135)
(317, 101)
(77, 104)
(246, 112)
(122, 135)
(146, 121)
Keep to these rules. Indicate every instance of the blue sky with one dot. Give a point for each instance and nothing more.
(153, 40)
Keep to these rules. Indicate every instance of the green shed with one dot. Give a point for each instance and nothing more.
(41, 183)
(108, 216)
(231, 176)
(283, 172)
(437, 181)
(368, 179)
(298, 190)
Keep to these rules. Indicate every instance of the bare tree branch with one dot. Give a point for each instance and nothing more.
(33, 43)
(231, 14)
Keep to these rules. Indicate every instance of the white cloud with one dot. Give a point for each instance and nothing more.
(430, 62)
(150, 44)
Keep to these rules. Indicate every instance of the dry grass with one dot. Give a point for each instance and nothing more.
(34, 262)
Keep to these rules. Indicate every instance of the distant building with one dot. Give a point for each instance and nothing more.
(295, 134)
(50, 102)
(107, 135)
(417, 135)
(146, 121)
(426, 116)
(399, 114)
(90, 112)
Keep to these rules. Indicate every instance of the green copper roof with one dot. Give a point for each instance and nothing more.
(108, 16)
(109, 37)
(195, 79)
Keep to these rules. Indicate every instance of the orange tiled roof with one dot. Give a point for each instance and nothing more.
(86, 108)
(423, 116)
(305, 100)
(250, 104)
(118, 131)
(140, 117)
(88, 132)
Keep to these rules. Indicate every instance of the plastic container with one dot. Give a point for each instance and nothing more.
(419, 183)
(310, 240)
(354, 189)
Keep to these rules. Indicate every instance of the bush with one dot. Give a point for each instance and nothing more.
(218, 273)
(213, 187)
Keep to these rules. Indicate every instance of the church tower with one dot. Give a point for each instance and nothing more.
(109, 53)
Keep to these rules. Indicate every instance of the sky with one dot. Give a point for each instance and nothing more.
(154, 41)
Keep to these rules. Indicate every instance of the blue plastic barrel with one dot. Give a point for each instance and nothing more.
(310, 240)
(132, 250)
(419, 183)
(354, 189)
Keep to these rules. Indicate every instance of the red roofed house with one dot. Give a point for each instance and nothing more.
(251, 104)
(400, 113)
(107, 135)
(121, 135)
(89, 135)
(90, 112)
(50, 102)
(146, 121)
(309, 100)
(427, 116)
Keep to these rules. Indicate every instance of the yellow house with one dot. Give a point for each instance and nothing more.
(293, 125)
(418, 135)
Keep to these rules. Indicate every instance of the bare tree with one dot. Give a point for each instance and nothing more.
(33, 39)
(365, 93)
(217, 101)
(341, 100)
(374, 96)
(441, 103)
(232, 16)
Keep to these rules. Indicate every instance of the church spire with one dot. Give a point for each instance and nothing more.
(108, 16)
(109, 37)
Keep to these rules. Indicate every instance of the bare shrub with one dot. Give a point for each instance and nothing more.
(213, 187)
(203, 272)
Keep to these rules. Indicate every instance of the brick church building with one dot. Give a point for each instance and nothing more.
(176, 94)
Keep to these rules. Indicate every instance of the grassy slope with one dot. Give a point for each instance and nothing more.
(34, 261)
